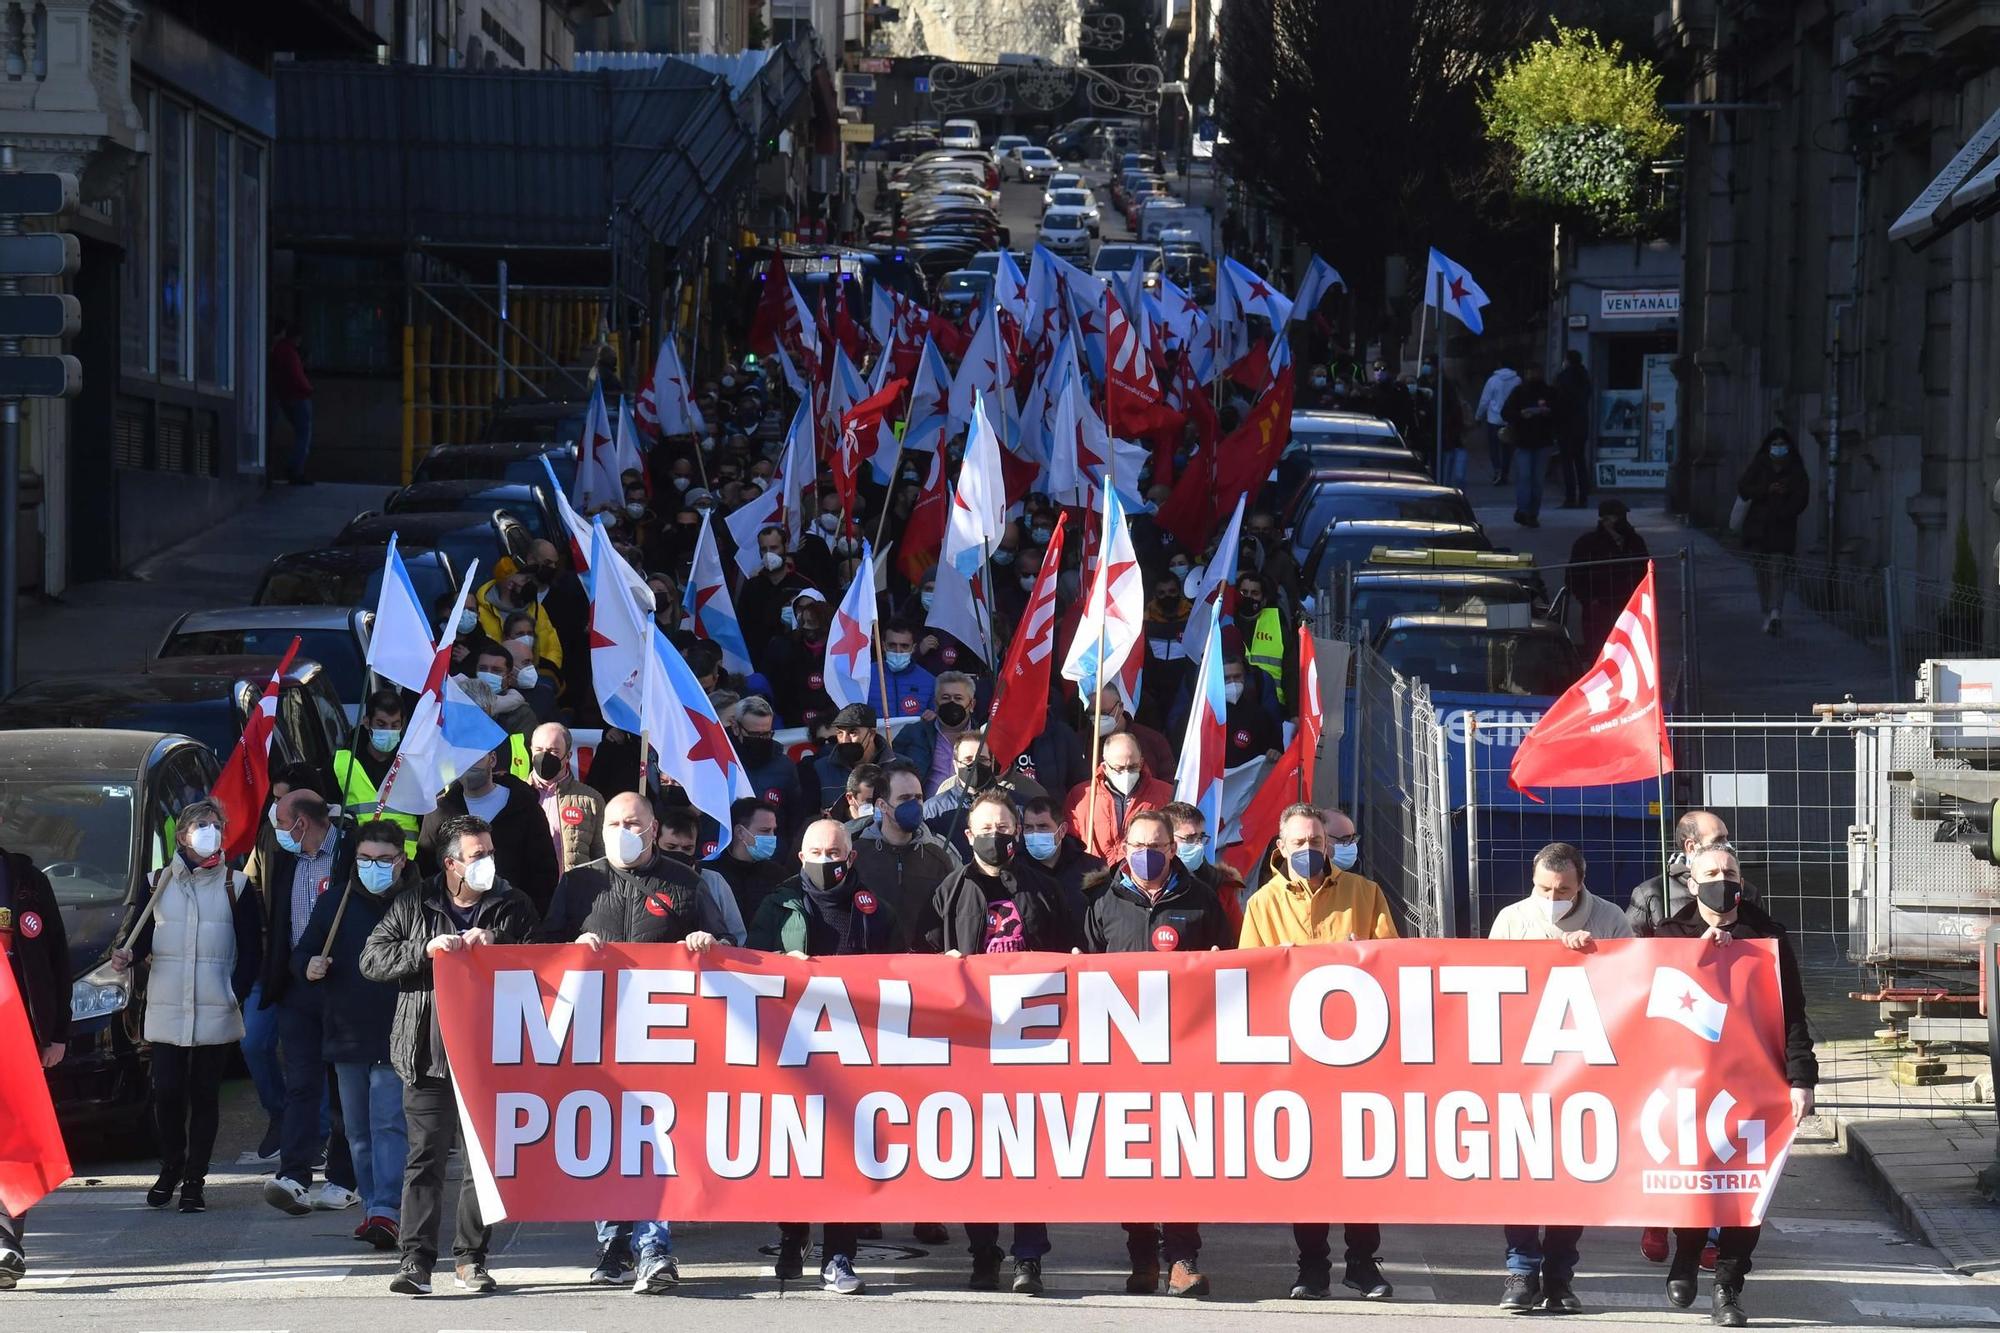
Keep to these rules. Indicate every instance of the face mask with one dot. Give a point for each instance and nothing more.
(824, 875)
(206, 841)
(1307, 863)
(789, 616)
(476, 779)
(288, 842)
(492, 680)
(1192, 854)
(763, 846)
(1556, 908)
(549, 766)
(1107, 723)
(773, 561)
(635, 509)
(1028, 582)
(828, 522)
(468, 621)
(1041, 846)
(528, 677)
(1781, 451)
(1180, 572)
(626, 847)
(1003, 557)
(682, 483)
(1126, 780)
(1346, 854)
(385, 739)
(376, 878)
(865, 810)
(952, 713)
(909, 815)
(847, 752)
(1147, 863)
(994, 849)
(926, 597)
(1042, 536)
(975, 775)
(479, 875)
(897, 661)
(1232, 690)
(754, 749)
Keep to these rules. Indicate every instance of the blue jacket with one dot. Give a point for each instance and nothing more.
(912, 686)
(776, 779)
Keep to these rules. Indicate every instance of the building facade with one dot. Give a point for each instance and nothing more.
(1812, 126)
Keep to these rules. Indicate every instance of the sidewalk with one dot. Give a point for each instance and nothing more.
(114, 624)
(1928, 1171)
(1742, 670)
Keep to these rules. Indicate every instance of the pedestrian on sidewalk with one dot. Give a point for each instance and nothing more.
(1492, 400)
(33, 943)
(1776, 489)
(1531, 411)
(1606, 564)
(294, 394)
(203, 938)
(358, 1015)
(1573, 428)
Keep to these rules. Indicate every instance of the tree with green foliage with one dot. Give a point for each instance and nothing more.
(1582, 122)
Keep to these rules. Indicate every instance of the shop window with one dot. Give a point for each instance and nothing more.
(171, 148)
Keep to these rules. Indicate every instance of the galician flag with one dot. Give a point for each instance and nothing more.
(1114, 612)
(850, 643)
(1463, 298)
(710, 609)
(1198, 778)
(963, 607)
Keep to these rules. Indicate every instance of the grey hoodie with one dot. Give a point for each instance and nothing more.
(1494, 396)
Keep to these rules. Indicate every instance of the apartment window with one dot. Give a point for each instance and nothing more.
(213, 277)
(136, 304)
(171, 280)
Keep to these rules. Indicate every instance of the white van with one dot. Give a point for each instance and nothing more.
(960, 134)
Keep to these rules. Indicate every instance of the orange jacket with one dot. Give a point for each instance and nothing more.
(1106, 837)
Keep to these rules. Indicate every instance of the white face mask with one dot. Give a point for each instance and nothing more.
(1557, 908)
(1126, 782)
(865, 810)
(479, 874)
(527, 677)
(774, 561)
(1107, 723)
(828, 522)
(625, 847)
(205, 841)
(1232, 690)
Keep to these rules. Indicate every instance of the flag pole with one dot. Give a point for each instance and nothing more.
(1437, 386)
(694, 352)
(1097, 691)
(895, 462)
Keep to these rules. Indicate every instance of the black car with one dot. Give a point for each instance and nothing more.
(462, 537)
(1349, 544)
(515, 461)
(532, 504)
(95, 810)
(1361, 501)
(350, 576)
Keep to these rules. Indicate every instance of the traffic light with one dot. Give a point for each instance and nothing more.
(45, 254)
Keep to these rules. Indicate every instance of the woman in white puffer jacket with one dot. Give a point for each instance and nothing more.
(200, 926)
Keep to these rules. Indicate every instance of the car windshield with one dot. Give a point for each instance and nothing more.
(1118, 258)
(1063, 180)
(1482, 661)
(310, 585)
(78, 833)
(1062, 219)
(1382, 603)
(334, 649)
(1037, 155)
(1314, 436)
(1070, 199)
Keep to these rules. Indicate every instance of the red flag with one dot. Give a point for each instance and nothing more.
(1290, 779)
(923, 535)
(1133, 396)
(1237, 466)
(845, 331)
(1021, 696)
(246, 778)
(1610, 726)
(860, 422)
(33, 1160)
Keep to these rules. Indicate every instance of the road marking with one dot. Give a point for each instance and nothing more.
(278, 1273)
(1622, 1296)
(1926, 1312)
(47, 1277)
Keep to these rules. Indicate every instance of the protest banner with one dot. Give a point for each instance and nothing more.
(1447, 1081)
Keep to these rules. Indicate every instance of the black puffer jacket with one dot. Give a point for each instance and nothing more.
(658, 905)
(1187, 917)
(395, 953)
(41, 959)
(1754, 923)
(1047, 925)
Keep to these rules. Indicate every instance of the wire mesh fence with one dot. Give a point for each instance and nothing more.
(1401, 795)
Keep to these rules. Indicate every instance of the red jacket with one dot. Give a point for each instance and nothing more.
(1106, 839)
(288, 372)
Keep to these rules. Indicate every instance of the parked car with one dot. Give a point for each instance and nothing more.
(547, 420)
(533, 505)
(1066, 233)
(206, 698)
(349, 576)
(463, 538)
(1349, 544)
(517, 461)
(335, 637)
(1357, 500)
(94, 809)
(1316, 427)
(1465, 654)
(1376, 596)
(961, 289)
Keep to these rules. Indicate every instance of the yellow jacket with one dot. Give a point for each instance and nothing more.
(492, 620)
(1290, 911)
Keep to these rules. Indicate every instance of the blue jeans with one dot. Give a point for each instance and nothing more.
(1031, 1239)
(1550, 1251)
(1529, 465)
(260, 1052)
(305, 1090)
(371, 1104)
(300, 415)
(1452, 473)
(641, 1240)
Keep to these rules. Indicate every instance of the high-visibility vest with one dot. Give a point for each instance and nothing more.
(517, 756)
(358, 795)
(1267, 648)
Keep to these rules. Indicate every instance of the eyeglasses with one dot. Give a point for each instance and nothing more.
(1114, 768)
(1196, 840)
(1145, 847)
(389, 861)
(1347, 841)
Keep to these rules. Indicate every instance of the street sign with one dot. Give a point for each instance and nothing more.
(39, 376)
(37, 193)
(23, 316)
(921, 83)
(45, 254)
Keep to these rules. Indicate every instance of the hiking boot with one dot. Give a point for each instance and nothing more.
(1680, 1290)
(1142, 1281)
(1653, 1245)
(1727, 1307)
(412, 1278)
(191, 1198)
(1558, 1297)
(791, 1263)
(1027, 1277)
(614, 1261)
(1186, 1279)
(1312, 1284)
(1364, 1276)
(162, 1192)
(1522, 1292)
(287, 1196)
(658, 1274)
(472, 1276)
(839, 1277)
(985, 1271)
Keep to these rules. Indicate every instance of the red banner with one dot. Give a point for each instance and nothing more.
(1403, 1081)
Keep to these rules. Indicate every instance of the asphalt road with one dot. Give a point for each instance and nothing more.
(101, 1260)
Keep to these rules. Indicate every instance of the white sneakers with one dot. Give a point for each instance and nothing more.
(331, 1198)
(287, 1196)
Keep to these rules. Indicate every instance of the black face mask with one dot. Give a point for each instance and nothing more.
(754, 749)
(674, 795)
(848, 752)
(824, 876)
(975, 776)
(548, 766)
(994, 849)
(952, 714)
(678, 858)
